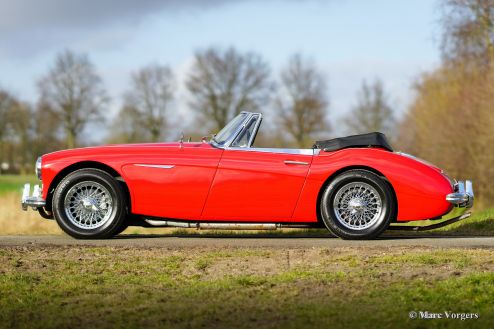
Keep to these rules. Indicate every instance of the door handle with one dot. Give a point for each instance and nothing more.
(300, 163)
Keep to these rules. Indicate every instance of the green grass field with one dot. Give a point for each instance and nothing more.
(81, 287)
(14, 183)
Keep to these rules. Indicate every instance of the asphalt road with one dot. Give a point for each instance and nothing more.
(168, 241)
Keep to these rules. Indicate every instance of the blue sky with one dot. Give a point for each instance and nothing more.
(349, 40)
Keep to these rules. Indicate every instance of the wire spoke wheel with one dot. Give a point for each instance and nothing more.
(357, 205)
(88, 205)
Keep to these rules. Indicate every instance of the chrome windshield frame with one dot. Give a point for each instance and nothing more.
(241, 126)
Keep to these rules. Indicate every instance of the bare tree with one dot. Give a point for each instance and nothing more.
(468, 31)
(15, 131)
(372, 112)
(144, 114)
(223, 83)
(129, 127)
(46, 135)
(302, 100)
(21, 127)
(7, 102)
(74, 90)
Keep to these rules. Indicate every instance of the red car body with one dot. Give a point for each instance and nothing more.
(208, 183)
(356, 183)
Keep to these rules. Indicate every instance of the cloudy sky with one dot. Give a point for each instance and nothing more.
(351, 40)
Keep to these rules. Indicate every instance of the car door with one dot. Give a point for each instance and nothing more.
(257, 185)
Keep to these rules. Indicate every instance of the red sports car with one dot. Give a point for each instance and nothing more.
(355, 186)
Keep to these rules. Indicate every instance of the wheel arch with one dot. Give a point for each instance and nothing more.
(88, 165)
(348, 168)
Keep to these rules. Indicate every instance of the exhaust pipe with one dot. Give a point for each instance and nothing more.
(238, 226)
(169, 223)
(222, 226)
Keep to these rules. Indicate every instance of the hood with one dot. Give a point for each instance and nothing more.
(119, 149)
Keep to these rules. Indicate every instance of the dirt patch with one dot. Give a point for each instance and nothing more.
(385, 264)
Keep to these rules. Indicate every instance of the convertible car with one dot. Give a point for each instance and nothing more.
(356, 186)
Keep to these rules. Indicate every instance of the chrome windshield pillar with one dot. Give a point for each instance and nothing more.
(235, 131)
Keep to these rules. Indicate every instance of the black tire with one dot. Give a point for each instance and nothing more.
(122, 228)
(84, 179)
(338, 220)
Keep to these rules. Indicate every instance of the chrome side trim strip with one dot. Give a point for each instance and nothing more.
(154, 166)
(289, 162)
(275, 150)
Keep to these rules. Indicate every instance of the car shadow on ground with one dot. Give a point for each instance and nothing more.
(287, 236)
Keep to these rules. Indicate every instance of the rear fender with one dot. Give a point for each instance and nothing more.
(420, 189)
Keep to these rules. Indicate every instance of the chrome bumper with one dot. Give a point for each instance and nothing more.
(462, 195)
(34, 201)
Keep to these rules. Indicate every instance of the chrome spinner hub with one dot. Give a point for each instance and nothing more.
(89, 204)
(357, 205)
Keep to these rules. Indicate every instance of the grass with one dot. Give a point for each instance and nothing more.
(13, 220)
(242, 288)
(14, 183)
(479, 223)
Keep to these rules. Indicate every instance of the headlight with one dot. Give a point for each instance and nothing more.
(38, 168)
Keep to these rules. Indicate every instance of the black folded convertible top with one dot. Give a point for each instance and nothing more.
(375, 139)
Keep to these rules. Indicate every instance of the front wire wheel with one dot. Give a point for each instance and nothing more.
(89, 204)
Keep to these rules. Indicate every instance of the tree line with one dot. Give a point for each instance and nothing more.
(220, 82)
(450, 121)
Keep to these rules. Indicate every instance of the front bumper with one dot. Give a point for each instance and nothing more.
(34, 201)
(462, 196)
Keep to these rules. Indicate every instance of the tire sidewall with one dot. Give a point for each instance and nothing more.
(118, 207)
(387, 201)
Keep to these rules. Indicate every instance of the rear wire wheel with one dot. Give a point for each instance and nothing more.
(357, 204)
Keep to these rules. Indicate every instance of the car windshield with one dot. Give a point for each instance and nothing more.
(229, 129)
(246, 136)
